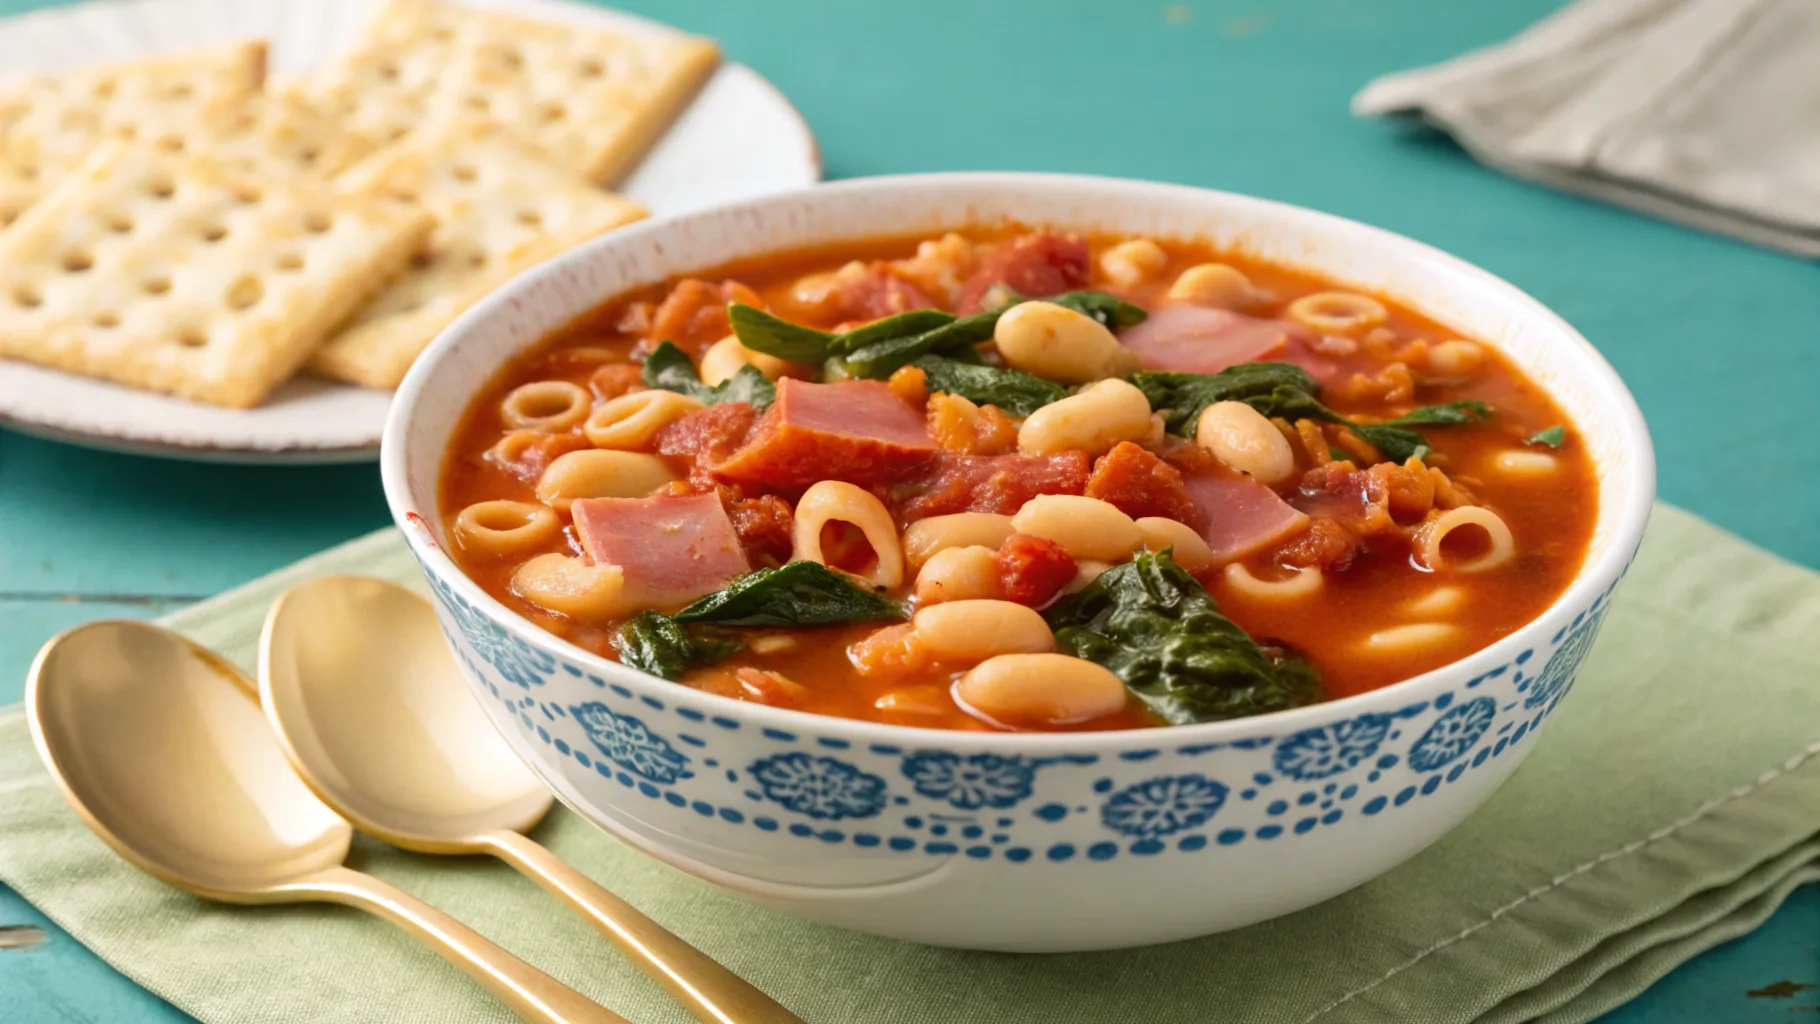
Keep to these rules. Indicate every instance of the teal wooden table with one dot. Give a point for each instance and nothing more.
(1716, 339)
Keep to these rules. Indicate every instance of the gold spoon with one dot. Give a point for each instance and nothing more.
(159, 746)
(370, 707)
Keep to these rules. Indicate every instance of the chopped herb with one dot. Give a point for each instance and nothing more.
(1281, 389)
(664, 647)
(1018, 393)
(669, 368)
(1157, 629)
(797, 594)
(1553, 437)
(901, 325)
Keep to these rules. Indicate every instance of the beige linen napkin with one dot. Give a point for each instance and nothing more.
(1702, 111)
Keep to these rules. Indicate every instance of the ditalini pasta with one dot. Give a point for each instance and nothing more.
(1014, 479)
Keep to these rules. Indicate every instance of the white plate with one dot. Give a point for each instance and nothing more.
(739, 139)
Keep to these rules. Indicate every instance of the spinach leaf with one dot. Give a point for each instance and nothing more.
(1274, 389)
(901, 325)
(1470, 410)
(762, 332)
(797, 594)
(1154, 626)
(660, 645)
(1395, 441)
(1282, 389)
(1553, 437)
(1014, 391)
(1110, 310)
(881, 359)
(669, 368)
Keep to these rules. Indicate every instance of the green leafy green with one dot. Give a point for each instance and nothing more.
(1553, 437)
(1014, 391)
(1470, 410)
(1110, 310)
(1157, 629)
(669, 368)
(797, 594)
(1274, 389)
(901, 325)
(1282, 389)
(660, 645)
(1395, 441)
(885, 353)
(762, 332)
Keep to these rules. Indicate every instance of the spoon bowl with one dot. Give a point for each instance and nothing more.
(160, 747)
(359, 685)
(169, 763)
(372, 710)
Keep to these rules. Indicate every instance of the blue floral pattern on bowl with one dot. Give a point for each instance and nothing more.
(815, 787)
(970, 782)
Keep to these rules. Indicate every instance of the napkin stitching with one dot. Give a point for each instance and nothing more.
(1629, 848)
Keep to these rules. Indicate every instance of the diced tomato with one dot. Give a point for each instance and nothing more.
(878, 292)
(695, 312)
(763, 524)
(526, 454)
(1139, 484)
(615, 379)
(1032, 570)
(856, 431)
(989, 483)
(1032, 265)
(890, 652)
(958, 425)
(1352, 497)
(707, 438)
(911, 384)
(1325, 545)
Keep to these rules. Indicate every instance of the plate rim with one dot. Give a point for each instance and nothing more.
(301, 451)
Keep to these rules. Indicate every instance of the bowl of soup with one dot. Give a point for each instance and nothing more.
(1019, 562)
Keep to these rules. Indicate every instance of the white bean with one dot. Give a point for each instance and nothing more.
(1058, 343)
(923, 538)
(1129, 263)
(1040, 689)
(1213, 284)
(958, 574)
(1190, 549)
(1094, 419)
(1084, 527)
(976, 629)
(725, 357)
(1243, 439)
(572, 587)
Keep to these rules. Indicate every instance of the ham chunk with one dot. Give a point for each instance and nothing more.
(1243, 516)
(1198, 339)
(856, 431)
(673, 548)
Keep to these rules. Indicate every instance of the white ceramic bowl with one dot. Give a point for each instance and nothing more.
(1019, 842)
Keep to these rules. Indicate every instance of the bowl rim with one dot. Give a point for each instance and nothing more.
(1595, 577)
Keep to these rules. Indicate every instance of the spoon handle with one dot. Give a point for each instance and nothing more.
(713, 994)
(533, 995)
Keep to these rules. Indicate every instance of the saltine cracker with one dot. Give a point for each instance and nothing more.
(500, 207)
(50, 121)
(161, 271)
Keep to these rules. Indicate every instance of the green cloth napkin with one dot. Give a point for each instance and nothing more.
(1672, 805)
